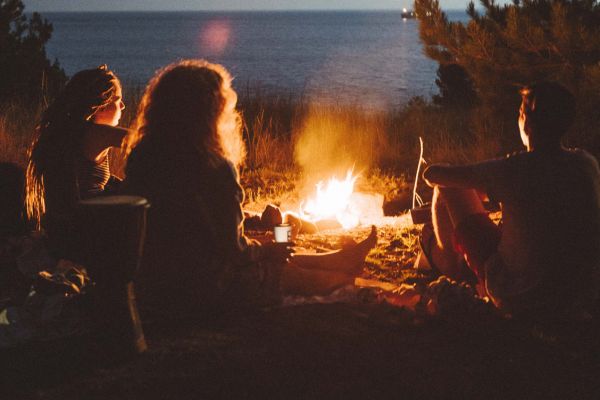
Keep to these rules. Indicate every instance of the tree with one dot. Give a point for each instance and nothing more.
(26, 74)
(504, 47)
(456, 88)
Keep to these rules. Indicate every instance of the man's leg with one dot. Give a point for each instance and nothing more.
(460, 203)
(450, 207)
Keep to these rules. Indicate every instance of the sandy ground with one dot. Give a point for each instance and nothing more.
(357, 349)
(317, 351)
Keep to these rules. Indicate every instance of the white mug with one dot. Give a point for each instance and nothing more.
(283, 233)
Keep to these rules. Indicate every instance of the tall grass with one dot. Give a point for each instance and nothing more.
(292, 142)
(276, 129)
(17, 130)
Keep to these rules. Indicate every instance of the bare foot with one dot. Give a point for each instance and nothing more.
(356, 255)
(372, 238)
(349, 261)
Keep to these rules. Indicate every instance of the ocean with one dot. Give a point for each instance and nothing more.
(374, 59)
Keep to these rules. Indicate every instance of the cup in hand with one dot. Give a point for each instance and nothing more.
(282, 233)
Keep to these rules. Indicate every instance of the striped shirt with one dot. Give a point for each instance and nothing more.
(92, 176)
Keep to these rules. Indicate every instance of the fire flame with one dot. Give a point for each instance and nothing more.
(333, 201)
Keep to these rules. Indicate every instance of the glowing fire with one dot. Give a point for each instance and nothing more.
(333, 201)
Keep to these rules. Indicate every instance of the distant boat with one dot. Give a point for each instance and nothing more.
(408, 14)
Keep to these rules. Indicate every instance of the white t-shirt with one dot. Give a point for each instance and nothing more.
(550, 244)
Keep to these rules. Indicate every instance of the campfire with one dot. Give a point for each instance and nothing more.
(336, 204)
(333, 201)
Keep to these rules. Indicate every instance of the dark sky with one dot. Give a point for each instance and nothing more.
(138, 5)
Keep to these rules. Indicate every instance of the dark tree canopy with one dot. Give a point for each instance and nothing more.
(503, 47)
(26, 74)
(456, 88)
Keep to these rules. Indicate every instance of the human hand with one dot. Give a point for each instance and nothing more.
(278, 252)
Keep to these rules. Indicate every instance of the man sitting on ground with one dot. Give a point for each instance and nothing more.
(544, 259)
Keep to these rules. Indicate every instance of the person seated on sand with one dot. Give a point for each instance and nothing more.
(185, 163)
(68, 160)
(543, 260)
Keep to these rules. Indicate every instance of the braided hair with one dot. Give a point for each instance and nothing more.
(59, 138)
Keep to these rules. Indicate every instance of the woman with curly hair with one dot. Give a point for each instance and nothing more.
(185, 160)
(68, 160)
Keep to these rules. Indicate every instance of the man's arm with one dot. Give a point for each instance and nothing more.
(460, 177)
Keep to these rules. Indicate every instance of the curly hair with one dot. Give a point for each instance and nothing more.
(59, 136)
(191, 103)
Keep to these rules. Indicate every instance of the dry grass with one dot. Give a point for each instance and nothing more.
(284, 133)
(17, 127)
(267, 147)
(276, 129)
(292, 143)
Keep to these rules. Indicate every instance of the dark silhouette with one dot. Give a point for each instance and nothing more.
(544, 261)
(197, 256)
(12, 197)
(26, 74)
(456, 88)
(68, 159)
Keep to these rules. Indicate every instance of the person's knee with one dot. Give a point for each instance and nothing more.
(460, 203)
(455, 195)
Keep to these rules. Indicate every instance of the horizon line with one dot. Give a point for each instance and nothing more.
(231, 10)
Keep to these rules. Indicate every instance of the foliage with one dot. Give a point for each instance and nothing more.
(456, 88)
(269, 124)
(507, 46)
(272, 126)
(25, 71)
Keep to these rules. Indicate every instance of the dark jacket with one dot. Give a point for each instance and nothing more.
(196, 254)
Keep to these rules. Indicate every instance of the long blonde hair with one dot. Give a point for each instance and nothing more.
(191, 103)
(59, 137)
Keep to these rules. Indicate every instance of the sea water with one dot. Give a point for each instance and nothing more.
(370, 58)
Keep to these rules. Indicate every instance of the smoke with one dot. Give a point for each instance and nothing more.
(333, 140)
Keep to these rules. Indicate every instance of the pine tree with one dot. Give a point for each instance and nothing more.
(456, 88)
(506, 46)
(26, 74)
